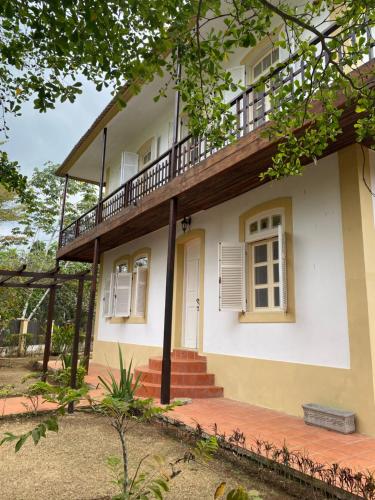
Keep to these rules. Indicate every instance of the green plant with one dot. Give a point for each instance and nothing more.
(63, 377)
(238, 493)
(61, 397)
(127, 386)
(62, 338)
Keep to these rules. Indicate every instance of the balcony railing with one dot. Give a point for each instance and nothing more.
(250, 108)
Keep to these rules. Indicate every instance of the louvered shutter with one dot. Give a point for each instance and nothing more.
(109, 284)
(238, 77)
(232, 285)
(123, 294)
(129, 166)
(140, 291)
(282, 269)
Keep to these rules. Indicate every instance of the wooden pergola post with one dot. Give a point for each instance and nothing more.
(77, 324)
(90, 314)
(47, 341)
(165, 395)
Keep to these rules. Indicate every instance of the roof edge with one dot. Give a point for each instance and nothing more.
(109, 112)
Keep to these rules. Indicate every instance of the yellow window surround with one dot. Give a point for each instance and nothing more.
(269, 316)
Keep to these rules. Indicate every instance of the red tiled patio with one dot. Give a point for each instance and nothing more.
(353, 450)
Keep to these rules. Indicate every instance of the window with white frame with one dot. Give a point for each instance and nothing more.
(252, 274)
(140, 272)
(125, 290)
(258, 69)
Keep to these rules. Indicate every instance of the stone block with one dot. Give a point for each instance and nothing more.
(330, 418)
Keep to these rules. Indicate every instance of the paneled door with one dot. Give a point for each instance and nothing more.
(191, 295)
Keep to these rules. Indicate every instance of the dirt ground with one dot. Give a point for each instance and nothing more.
(13, 370)
(71, 464)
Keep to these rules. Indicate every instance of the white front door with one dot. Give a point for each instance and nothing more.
(191, 295)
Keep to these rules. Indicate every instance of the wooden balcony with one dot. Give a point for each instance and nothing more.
(200, 177)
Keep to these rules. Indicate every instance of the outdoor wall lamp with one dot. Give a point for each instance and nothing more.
(186, 223)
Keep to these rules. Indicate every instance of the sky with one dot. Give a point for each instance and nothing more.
(35, 138)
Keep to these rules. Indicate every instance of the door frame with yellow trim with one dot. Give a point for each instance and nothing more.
(179, 284)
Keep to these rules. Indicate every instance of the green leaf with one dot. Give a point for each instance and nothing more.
(21, 441)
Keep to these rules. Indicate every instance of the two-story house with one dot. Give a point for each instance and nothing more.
(273, 294)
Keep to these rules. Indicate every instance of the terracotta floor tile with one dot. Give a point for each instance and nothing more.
(355, 450)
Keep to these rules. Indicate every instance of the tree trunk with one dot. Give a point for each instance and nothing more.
(38, 304)
(124, 458)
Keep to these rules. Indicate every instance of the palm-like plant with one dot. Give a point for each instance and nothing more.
(127, 386)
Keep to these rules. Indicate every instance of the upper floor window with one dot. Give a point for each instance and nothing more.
(261, 66)
(146, 153)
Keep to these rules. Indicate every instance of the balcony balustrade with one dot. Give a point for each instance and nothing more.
(251, 109)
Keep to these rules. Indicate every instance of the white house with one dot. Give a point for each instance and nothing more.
(274, 282)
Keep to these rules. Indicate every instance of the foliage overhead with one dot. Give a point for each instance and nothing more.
(48, 48)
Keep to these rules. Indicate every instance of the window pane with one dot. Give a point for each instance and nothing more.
(141, 262)
(276, 273)
(257, 70)
(261, 297)
(267, 62)
(276, 220)
(253, 227)
(276, 296)
(275, 250)
(275, 55)
(260, 253)
(122, 268)
(261, 277)
(264, 223)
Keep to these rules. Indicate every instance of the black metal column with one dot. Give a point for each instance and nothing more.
(101, 183)
(166, 366)
(90, 314)
(63, 208)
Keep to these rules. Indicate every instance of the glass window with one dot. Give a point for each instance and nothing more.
(123, 267)
(141, 261)
(260, 253)
(265, 274)
(147, 157)
(276, 220)
(264, 223)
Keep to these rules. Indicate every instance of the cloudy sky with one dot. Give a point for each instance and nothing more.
(35, 138)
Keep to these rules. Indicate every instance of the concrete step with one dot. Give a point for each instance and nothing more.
(177, 378)
(186, 354)
(149, 390)
(180, 365)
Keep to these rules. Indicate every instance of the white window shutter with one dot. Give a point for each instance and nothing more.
(232, 283)
(123, 295)
(109, 284)
(140, 292)
(282, 269)
(238, 77)
(129, 166)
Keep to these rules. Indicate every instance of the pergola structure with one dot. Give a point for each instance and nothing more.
(53, 279)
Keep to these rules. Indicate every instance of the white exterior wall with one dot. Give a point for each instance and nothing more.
(320, 334)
